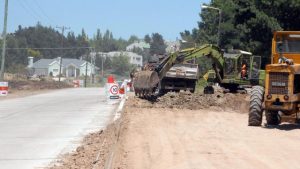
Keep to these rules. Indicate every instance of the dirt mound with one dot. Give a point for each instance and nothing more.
(196, 101)
(187, 100)
(22, 88)
(36, 85)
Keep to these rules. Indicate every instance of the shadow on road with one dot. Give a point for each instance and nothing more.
(283, 126)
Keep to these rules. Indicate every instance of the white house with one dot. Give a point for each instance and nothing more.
(172, 46)
(134, 58)
(138, 44)
(69, 68)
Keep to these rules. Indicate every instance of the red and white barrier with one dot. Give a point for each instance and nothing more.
(3, 88)
(76, 83)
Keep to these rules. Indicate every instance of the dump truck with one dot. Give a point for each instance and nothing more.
(180, 77)
(279, 98)
(227, 71)
(167, 74)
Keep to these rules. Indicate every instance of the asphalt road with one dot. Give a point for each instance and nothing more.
(34, 130)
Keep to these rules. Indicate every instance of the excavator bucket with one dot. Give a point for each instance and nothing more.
(144, 83)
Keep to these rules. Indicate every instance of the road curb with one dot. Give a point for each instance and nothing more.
(108, 163)
(119, 109)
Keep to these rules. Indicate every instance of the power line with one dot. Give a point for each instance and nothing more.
(33, 12)
(27, 10)
(32, 9)
(60, 48)
(43, 11)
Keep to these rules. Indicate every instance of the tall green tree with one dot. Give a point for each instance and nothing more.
(132, 39)
(247, 24)
(157, 45)
(147, 39)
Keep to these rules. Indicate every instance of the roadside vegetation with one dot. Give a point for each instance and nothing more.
(246, 24)
(32, 41)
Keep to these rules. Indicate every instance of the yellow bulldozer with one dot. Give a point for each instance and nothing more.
(280, 97)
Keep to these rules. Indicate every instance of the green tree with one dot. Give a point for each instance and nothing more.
(121, 64)
(132, 39)
(157, 46)
(34, 53)
(107, 63)
(107, 43)
(246, 24)
(188, 39)
(147, 39)
(82, 41)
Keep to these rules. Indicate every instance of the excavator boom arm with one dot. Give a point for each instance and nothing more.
(147, 81)
(207, 50)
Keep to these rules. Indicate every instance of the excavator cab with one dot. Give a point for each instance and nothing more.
(229, 66)
(241, 68)
(237, 65)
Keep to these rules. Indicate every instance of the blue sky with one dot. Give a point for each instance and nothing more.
(122, 17)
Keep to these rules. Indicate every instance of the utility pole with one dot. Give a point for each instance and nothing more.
(86, 66)
(63, 28)
(102, 58)
(4, 41)
(93, 56)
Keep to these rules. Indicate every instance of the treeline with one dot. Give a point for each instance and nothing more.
(46, 42)
(26, 42)
(120, 65)
(246, 24)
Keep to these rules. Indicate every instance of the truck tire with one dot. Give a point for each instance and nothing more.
(256, 108)
(272, 117)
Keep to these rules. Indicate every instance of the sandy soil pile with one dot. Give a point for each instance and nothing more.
(196, 101)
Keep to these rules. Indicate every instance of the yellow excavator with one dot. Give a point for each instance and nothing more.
(178, 71)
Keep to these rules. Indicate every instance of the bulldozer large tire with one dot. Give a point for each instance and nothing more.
(272, 117)
(256, 108)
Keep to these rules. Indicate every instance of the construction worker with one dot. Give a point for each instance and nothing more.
(244, 71)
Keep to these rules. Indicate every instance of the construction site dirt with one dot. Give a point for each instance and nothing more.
(187, 131)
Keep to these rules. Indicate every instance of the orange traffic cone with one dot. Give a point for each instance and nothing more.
(110, 79)
(122, 90)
